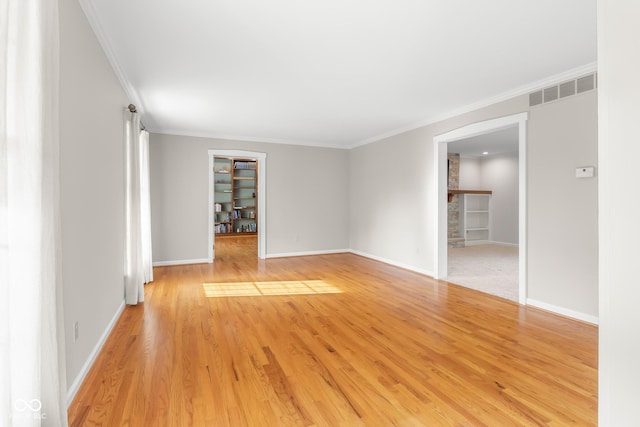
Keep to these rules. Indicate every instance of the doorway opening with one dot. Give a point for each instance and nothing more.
(468, 134)
(245, 217)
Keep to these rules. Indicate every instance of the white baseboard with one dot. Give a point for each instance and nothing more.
(394, 263)
(564, 311)
(180, 262)
(476, 242)
(307, 253)
(511, 245)
(73, 389)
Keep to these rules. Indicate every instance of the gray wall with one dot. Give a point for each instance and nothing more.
(563, 210)
(307, 196)
(392, 185)
(91, 186)
(391, 207)
(499, 173)
(393, 198)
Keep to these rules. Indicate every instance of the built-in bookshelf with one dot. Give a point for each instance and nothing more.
(235, 198)
(477, 218)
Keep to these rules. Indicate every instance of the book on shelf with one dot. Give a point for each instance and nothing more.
(244, 165)
(222, 228)
(240, 165)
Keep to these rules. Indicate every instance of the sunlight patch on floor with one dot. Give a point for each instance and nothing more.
(252, 289)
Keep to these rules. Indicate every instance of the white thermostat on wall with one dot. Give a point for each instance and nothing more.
(585, 172)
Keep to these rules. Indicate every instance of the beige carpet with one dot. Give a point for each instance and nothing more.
(492, 269)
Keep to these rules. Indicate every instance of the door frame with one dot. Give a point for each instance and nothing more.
(261, 158)
(440, 159)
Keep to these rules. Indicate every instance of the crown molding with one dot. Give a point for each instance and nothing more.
(531, 87)
(94, 22)
(249, 139)
(132, 94)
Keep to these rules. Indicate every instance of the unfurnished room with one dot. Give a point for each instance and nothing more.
(296, 213)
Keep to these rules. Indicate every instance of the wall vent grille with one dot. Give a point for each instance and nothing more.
(564, 89)
(551, 94)
(567, 88)
(535, 98)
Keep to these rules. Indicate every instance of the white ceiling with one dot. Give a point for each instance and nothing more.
(498, 142)
(334, 72)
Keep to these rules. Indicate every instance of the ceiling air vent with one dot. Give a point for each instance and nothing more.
(563, 90)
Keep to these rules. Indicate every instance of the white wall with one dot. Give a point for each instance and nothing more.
(393, 198)
(91, 186)
(307, 196)
(499, 173)
(470, 176)
(619, 151)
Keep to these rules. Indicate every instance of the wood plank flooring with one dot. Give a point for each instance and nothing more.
(392, 348)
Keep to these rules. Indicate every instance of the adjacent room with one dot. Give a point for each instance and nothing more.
(483, 213)
(334, 213)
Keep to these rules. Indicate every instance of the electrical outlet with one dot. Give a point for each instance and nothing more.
(75, 331)
(585, 172)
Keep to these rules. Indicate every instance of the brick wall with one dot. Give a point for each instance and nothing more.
(453, 207)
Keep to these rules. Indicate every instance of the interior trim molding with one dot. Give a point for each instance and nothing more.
(259, 157)
(534, 303)
(244, 138)
(522, 90)
(180, 262)
(75, 386)
(440, 224)
(132, 94)
(394, 263)
(91, 15)
(511, 245)
(307, 253)
(563, 311)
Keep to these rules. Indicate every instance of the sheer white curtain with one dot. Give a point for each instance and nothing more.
(138, 264)
(32, 376)
(145, 208)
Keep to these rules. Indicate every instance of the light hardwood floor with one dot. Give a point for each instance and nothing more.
(392, 348)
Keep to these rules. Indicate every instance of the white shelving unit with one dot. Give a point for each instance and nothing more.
(235, 201)
(477, 219)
